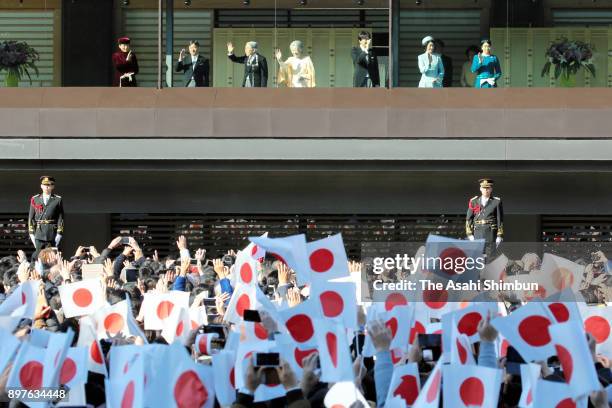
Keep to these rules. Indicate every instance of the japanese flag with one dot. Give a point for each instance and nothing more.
(243, 298)
(203, 343)
(112, 320)
(435, 302)
(81, 298)
(526, 329)
(454, 259)
(224, 380)
(245, 268)
(400, 323)
(334, 354)
(573, 351)
(157, 307)
(183, 383)
(28, 367)
(177, 326)
(55, 353)
(563, 307)
(466, 322)
(461, 349)
(74, 367)
(198, 316)
(8, 347)
(529, 381)
(597, 321)
(327, 259)
(89, 339)
(555, 395)
(300, 324)
(430, 394)
(127, 389)
(405, 383)
(255, 251)
(469, 386)
(559, 273)
(496, 269)
(344, 394)
(290, 250)
(254, 331)
(22, 302)
(337, 301)
(293, 353)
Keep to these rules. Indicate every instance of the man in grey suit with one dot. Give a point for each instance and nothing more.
(195, 68)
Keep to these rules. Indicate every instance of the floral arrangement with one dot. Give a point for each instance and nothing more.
(568, 57)
(17, 58)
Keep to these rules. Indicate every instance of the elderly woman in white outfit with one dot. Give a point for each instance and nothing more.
(430, 65)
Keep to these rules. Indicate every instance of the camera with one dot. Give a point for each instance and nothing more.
(228, 260)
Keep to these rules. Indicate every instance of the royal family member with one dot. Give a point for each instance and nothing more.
(485, 217)
(255, 65)
(195, 67)
(365, 63)
(125, 63)
(298, 70)
(430, 65)
(486, 67)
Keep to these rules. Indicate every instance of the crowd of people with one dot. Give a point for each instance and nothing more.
(259, 304)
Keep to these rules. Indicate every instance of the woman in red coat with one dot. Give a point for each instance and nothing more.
(125, 63)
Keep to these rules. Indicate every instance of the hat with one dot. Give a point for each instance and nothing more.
(47, 181)
(486, 182)
(123, 40)
(427, 39)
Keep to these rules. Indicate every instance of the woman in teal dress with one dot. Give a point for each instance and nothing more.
(486, 66)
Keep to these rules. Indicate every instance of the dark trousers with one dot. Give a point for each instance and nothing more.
(489, 234)
(40, 245)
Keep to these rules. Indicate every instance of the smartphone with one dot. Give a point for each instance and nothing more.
(193, 262)
(251, 315)
(215, 328)
(431, 345)
(131, 275)
(267, 359)
(217, 344)
(125, 240)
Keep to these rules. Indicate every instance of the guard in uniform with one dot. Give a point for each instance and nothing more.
(46, 217)
(485, 218)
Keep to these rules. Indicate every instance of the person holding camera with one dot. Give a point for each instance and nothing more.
(195, 67)
(46, 217)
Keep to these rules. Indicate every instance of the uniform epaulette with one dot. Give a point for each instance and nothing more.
(473, 198)
(58, 196)
(34, 196)
(496, 198)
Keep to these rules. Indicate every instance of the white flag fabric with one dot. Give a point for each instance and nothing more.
(224, 381)
(526, 329)
(22, 301)
(177, 326)
(245, 268)
(334, 354)
(555, 395)
(127, 389)
(400, 321)
(157, 307)
(112, 320)
(89, 339)
(337, 301)
(243, 298)
(8, 347)
(450, 258)
(461, 350)
(430, 394)
(495, 270)
(327, 259)
(55, 353)
(469, 386)
(575, 357)
(405, 383)
(597, 321)
(81, 298)
(344, 394)
(74, 367)
(299, 321)
(28, 367)
(558, 273)
(529, 381)
(290, 250)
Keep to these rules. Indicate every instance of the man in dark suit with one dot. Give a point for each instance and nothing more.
(195, 68)
(447, 63)
(365, 63)
(255, 65)
(46, 217)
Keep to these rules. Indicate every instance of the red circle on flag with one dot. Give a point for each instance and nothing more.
(82, 297)
(567, 363)
(392, 325)
(534, 331)
(95, 353)
(231, 378)
(30, 375)
(472, 391)
(435, 299)
(280, 258)
(260, 331)
(179, 328)
(560, 311)
(432, 392)
(332, 303)
(23, 298)
(566, 403)
(321, 260)
(246, 273)
(127, 401)
(504, 348)
(300, 355)
(114, 323)
(332, 347)
(462, 352)
(254, 250)
(562, 278)
(338, 406)
(395, 299)
(164, 308)
(68, 371)
(418, 328)
(450, 259)
(598, 327)
(468, 324)
(203, 344)
(300, 327)
(194, 325)
(242, 304)
(408, 389)
(529, 396)
(189, 391)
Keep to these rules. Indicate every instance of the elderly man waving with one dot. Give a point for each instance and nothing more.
(255, 65)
